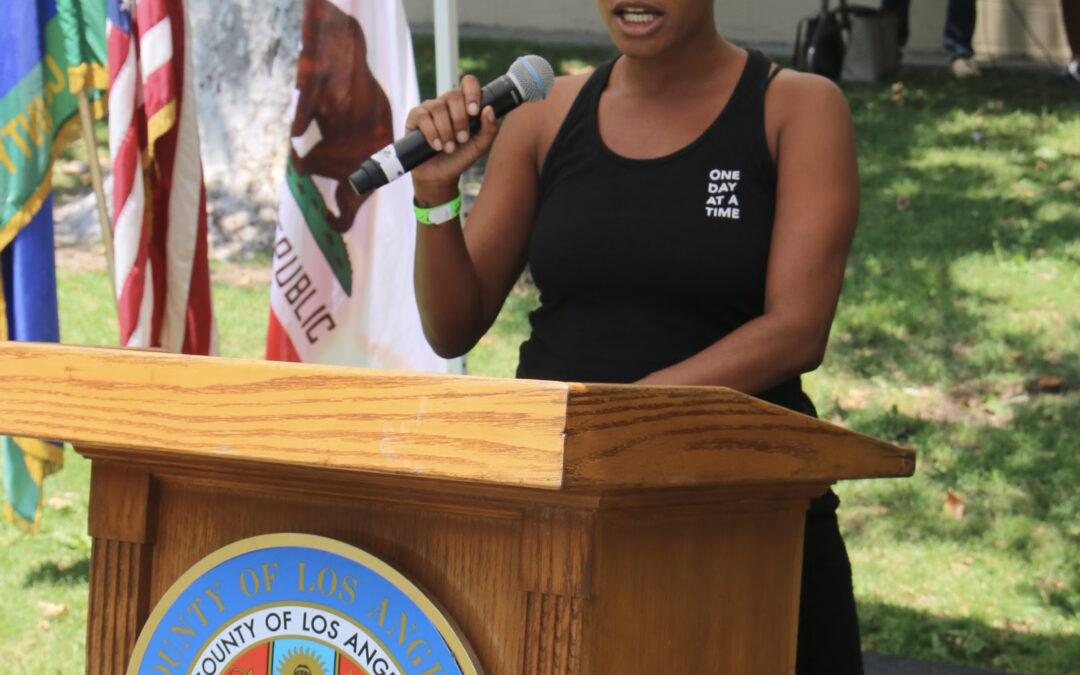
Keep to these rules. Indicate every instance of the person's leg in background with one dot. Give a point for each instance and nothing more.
(959, 30)
(1070, 10)
(900, 9)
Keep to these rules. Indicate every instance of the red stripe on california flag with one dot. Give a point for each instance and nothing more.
(278, 345)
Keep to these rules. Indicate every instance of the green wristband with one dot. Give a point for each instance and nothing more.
(437, 215)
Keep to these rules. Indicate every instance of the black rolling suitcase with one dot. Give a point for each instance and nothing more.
(819, 41)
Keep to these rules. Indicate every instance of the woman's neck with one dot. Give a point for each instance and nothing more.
(681, 69)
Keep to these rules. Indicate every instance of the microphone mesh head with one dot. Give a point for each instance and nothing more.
(533, 76)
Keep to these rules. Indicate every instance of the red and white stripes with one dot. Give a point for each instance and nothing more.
(159, 200)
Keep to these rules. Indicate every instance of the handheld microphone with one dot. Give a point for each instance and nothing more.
(529, 79)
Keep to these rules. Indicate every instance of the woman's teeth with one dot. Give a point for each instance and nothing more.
(637, 15)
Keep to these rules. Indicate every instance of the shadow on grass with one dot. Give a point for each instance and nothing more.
(948, 171)
(51, 573)
(906, 632)
(1018, 483)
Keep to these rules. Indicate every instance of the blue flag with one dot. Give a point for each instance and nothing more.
(30, 313)
(53, 49)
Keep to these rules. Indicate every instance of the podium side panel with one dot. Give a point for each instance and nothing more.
(553, 634)
(708, 590)
(557, 545)
(121, 507)
(117, 605)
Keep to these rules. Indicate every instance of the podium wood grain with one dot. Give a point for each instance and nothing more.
(565, 528)
(507, 432)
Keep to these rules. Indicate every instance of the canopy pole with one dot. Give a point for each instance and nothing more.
(446, 78)
(446, 46)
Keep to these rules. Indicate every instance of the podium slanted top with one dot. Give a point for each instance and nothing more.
(528, 433)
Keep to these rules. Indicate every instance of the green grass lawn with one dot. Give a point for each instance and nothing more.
(958, 334)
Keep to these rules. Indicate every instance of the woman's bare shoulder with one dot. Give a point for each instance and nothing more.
(541, 120)
(557, 103)
(800, 105)
(566, 87)
(797, 93)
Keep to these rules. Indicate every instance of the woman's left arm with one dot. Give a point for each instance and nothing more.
(810, 133)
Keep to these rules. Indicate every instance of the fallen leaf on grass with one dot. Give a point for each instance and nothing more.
(1051, 383)
(59, 503)
(1050, 585)
(51, 610)
(969, 402)
(954, 505)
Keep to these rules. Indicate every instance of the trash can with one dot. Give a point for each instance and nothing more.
(873, 48)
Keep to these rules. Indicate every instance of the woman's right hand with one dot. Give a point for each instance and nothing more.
(444, 122)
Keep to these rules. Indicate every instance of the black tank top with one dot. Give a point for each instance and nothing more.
(643, 263)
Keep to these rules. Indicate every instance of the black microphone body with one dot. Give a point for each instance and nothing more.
(412, 150)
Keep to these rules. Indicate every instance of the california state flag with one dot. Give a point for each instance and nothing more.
(342, 289)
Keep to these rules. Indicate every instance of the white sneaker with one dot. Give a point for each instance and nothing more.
(1072, 72)
(964, 66)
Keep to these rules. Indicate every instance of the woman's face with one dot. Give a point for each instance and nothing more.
(650, 27)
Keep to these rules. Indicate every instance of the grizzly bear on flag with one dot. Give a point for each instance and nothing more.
(342, 115)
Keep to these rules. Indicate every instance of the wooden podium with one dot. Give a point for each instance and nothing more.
(565, 528)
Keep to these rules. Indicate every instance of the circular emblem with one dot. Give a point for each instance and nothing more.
(297, 604)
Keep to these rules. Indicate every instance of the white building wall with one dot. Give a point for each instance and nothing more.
(999, 31)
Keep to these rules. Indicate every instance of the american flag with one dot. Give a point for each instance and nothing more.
(159, 200)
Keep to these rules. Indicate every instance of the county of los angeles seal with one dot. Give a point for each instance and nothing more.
(297, 604)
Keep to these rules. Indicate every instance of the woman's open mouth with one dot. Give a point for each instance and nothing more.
(637, 19)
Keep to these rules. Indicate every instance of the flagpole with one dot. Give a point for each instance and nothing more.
(446, 78)
(99, 188)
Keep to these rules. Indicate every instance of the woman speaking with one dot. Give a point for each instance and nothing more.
(686, 211)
